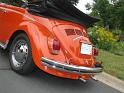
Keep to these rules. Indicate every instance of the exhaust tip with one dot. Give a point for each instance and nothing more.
(83, 80)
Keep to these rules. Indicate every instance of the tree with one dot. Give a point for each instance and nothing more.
(111, 14)
(74, 1)
(119, 14)
(88, 6)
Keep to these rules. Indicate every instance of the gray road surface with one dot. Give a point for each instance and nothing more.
(40, 82)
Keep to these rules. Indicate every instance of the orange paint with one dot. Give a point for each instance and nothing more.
(39, 31)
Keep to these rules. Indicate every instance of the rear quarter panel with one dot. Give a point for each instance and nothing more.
(38, 30)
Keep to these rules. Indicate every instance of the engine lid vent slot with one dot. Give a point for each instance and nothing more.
(73, 32)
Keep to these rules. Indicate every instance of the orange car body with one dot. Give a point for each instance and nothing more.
(41, 31)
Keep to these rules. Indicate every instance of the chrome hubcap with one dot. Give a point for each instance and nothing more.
(20, 53)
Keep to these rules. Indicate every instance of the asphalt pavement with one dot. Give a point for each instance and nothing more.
(41, 82)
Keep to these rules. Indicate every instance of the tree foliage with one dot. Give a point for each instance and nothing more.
(111, 13)
(74, 1)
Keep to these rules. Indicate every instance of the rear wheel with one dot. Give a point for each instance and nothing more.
(21, 60)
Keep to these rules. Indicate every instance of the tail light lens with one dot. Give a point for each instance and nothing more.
(54, 46)
(95, 51)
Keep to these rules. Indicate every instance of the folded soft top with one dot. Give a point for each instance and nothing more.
(63, 10)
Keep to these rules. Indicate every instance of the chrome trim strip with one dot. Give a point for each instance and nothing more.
(4, 46)
(70, 68)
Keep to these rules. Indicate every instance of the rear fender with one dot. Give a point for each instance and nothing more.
(36, 37)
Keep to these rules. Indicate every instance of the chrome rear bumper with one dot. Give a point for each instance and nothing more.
(70, 68)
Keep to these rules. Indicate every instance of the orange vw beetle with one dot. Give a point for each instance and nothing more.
(49, 34)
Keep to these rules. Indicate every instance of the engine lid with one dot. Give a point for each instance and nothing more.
(75, 42)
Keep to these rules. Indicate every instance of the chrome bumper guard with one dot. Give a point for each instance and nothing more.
(70, 68)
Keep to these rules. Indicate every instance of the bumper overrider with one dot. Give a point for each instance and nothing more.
(71, 68)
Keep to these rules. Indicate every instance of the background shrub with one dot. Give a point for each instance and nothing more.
(107, 40)
(119, 34)
(102, 38)
(118, 48)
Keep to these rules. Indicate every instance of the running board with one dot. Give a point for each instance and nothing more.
(4, 46)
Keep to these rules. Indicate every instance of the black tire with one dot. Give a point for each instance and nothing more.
(27, 66)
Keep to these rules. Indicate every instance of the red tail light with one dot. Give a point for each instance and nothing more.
(54, 46)
(95, 52)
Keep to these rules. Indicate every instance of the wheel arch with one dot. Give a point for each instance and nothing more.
(17, 32)
(37, 35)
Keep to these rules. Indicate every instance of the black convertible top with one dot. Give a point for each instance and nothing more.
(63, 10)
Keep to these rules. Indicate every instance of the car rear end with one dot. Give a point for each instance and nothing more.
(80, 55)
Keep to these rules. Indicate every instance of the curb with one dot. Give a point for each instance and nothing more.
(111, 81)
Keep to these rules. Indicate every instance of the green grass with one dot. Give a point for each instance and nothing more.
(113, 64)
